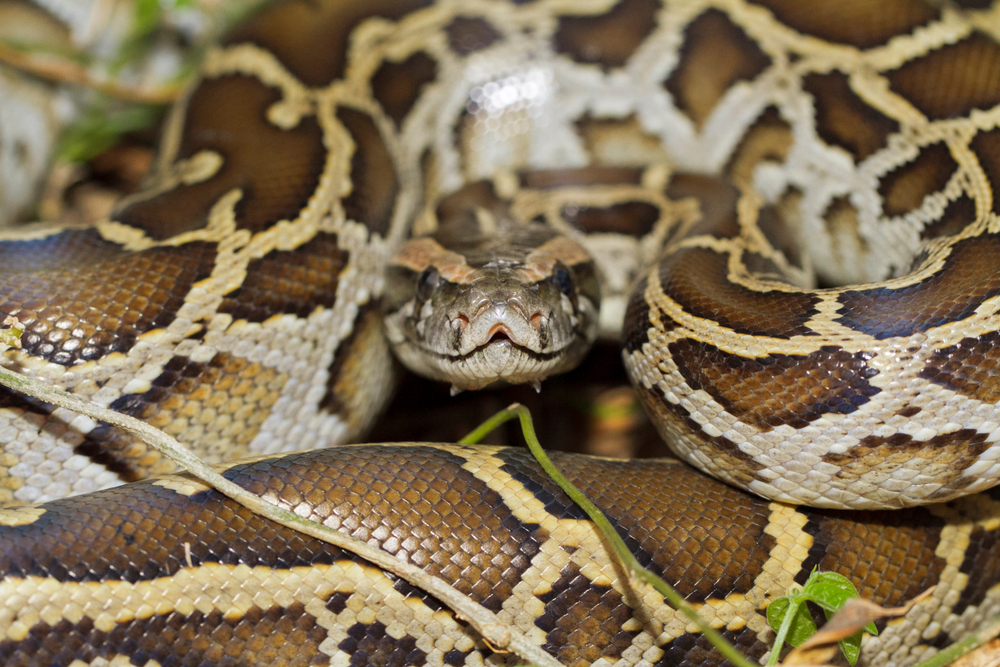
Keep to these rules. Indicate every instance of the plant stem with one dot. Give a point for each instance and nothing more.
(604, 526)
(501, 636)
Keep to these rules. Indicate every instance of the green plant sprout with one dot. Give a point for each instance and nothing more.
(790, 618)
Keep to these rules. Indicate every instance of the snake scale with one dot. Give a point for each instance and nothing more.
(803, 195)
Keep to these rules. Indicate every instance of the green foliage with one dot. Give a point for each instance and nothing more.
(149, 13)
(100, 128)
(11, 337)
(790, 617)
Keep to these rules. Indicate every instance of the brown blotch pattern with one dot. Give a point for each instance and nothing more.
(889, 557)
(460, 206)
(986, 145)
(396, 86)
(345, 370)
(277, 170)
(276, 635)
(294, 282)
(778, 389)
(953, 451)
(760, 267)
(82, 314)
(970, 368)
(696, 279)
(374, 180)
(610, 39)
(371, 644)
(715, 54)
(467, 35)
(311, 38)
(583, 620)
(968, 277)
(695, 650)
(903, 189)
(225, 400)
(720, 555)
(619, 140)
(416, 503)
(953, 80)
(547, 179)
(860, 23)
(71, 249)
(635, 329)
(844, 119)
(633, 218)
(419, 504)
(974, 4)
(959, 214)
(768, 139)
(982, 565)
(716, 199)
(119, 453)
(674, 423)
(779, 234)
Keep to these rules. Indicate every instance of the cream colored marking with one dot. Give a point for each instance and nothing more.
(424, 252)
(20, 516)
(599, 566)
(953, 541)
(182, 485)
(229, 589)
(822, 173)
(487, 221)
(539, 262)
(33, 232)
(200, 167)
(117, 661)
(187, 554)
(297, 100)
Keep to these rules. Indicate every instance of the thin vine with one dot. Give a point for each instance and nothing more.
(518, 411)
(500, 636)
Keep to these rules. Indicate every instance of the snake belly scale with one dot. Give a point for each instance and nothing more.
(726, 156)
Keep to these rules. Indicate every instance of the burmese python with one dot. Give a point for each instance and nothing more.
(233, 303)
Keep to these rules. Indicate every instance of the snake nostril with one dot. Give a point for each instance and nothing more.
(538, 320)
(459, 322)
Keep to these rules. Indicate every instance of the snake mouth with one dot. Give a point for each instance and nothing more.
(502, 339)
(498, 332)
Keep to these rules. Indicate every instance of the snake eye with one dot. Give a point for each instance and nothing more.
(562, 279)
(426, 283)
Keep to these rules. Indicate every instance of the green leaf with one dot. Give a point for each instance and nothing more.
(851, 647)
(100, 129)
(147, 16)
(802, 627)
(10, 337)
(831, 591)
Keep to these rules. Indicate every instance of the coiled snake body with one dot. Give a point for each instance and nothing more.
(742, 150)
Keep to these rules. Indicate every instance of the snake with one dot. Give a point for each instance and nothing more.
(786, 211)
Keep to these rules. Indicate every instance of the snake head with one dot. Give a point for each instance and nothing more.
(513, 306)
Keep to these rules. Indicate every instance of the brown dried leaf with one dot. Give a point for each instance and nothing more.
(852, 617)
(818, 656)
